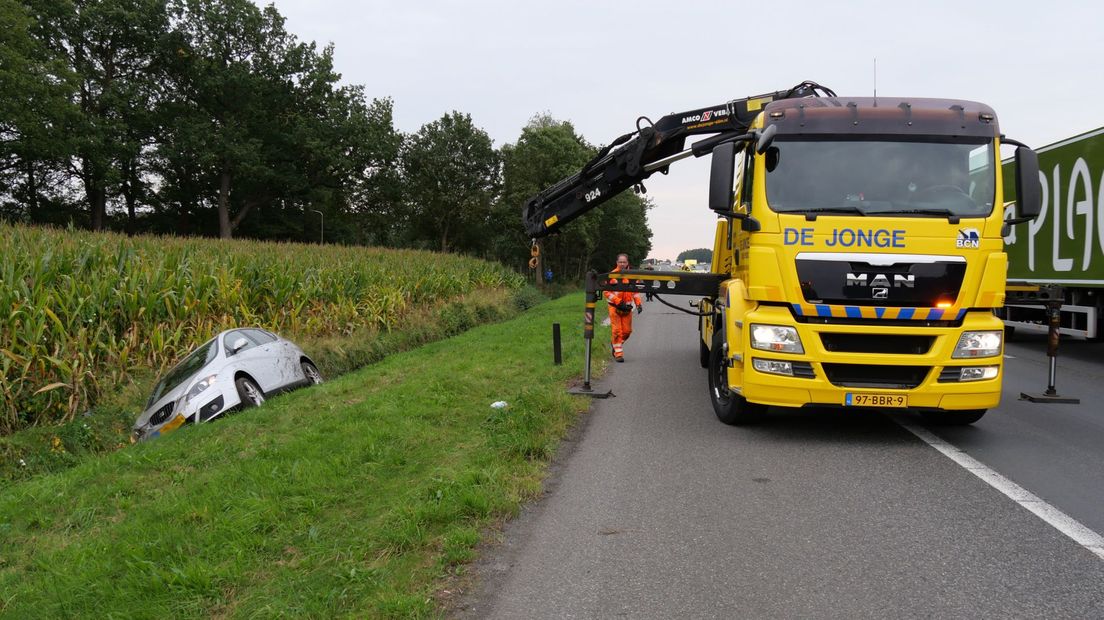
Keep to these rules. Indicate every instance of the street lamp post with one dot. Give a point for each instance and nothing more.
(322, 227)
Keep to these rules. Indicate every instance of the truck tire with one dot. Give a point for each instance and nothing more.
(731, 408)
(953, 418)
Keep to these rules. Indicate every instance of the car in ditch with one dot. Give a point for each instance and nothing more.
(236, 369)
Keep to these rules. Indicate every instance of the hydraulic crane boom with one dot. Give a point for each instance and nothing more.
(633, 157)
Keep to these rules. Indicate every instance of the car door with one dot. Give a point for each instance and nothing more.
(286, 369)
(253, 359)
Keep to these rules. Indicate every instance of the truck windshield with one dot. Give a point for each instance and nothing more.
(916, 179)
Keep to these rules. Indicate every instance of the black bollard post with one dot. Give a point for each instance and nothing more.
(557, 356)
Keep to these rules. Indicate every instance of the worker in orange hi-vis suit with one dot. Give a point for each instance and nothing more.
(620, 311)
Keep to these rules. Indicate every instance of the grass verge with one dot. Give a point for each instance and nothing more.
(350, 499)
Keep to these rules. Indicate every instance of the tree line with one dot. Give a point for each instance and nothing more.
(207, 117)
(702, 255)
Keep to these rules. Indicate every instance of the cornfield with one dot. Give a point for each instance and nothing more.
(80, 312)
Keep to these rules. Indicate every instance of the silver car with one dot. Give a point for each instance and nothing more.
(237, 368)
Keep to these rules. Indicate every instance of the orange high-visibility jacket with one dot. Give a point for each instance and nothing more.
(616, 297)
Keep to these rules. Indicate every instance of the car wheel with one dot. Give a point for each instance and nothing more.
(250, 393)
(311, 373)
(953, 418)
(730, 407)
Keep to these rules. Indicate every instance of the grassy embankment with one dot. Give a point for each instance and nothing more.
(354, 498)
(88, 320)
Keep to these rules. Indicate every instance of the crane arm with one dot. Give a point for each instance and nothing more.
(635, 156)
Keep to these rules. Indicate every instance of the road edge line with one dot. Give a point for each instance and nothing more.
(1050, 515)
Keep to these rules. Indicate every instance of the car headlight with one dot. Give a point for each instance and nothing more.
(200, 386)
(776, 338)
(978, 344)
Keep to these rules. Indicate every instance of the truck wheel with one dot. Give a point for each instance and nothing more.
(703, 352)
(730, 407)
(953, 418)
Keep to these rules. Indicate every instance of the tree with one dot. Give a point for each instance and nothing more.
(109, 48)
(259, 124)
(452, 174)
(702, 255)
(226, 93)
(624, 229)
(36, 92)
(546, 152)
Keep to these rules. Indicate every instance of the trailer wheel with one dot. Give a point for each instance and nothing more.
(953, 418)
(730, 407)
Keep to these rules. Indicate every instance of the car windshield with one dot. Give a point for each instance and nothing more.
(872, 178)
(181, 372)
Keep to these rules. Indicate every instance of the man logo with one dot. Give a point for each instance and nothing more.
(880, 293)
(968, 238)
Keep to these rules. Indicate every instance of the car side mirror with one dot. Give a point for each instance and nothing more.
(238, 345)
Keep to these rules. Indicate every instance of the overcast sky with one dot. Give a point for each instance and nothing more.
(601, 64)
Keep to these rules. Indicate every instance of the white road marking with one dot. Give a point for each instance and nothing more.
(1052, 516)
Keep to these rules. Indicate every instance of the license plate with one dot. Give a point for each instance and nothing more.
(173, 424)
(875, 400)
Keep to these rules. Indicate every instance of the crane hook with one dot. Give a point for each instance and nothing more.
(534, 251)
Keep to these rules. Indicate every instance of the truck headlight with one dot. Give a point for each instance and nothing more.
(200, 386)
(978, 344)
(778, 338)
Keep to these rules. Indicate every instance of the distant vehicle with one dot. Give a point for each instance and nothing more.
(237, 368)
(1062, 246)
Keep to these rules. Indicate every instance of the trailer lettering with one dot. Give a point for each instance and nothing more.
(1075, 219)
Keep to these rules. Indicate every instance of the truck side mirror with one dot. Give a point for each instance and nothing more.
(721, 175)
(1029, 196)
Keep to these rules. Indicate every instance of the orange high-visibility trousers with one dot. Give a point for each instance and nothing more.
(621, 326)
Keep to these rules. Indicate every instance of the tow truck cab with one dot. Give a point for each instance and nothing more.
(862, 240)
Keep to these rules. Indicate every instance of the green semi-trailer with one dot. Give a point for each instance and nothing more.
(1065, 243)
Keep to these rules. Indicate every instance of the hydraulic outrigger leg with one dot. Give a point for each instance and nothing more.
(588, 335)
(1054, 322)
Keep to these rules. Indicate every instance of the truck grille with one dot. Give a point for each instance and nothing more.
(875, 375)
(904, 284)
(882, 343)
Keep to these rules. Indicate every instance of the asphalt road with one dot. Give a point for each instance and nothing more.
(657, 510)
